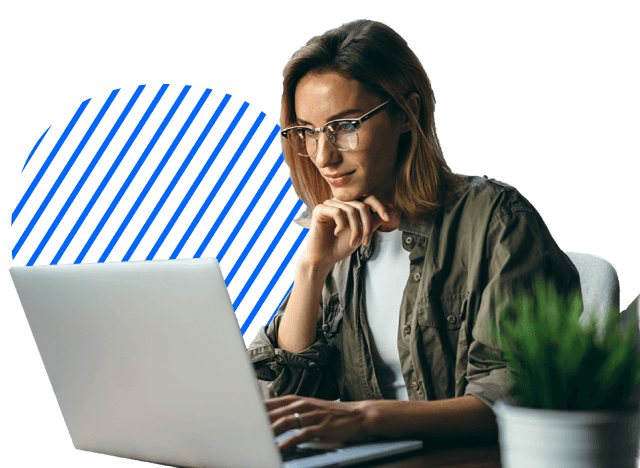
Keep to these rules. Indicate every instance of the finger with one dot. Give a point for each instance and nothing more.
(278, 402)
(300, 437)
(308, 408)
(354, 218)
(284, 412)
(321, 432)
(306, 433)
(283, 422)
(369, 219)
(377, 206)
(301, 403)
(326, 213)
(341, 220)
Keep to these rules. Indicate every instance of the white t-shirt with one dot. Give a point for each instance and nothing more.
(385, 277)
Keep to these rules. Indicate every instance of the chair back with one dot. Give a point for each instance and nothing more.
(599, 284)
(600, 291)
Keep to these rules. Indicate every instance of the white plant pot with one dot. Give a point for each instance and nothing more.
(531, 437)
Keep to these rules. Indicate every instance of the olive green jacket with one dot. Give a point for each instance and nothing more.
(466, 265)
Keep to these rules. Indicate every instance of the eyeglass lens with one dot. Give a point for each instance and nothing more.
(342, 135)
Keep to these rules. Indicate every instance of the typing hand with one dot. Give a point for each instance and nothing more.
(329, 421)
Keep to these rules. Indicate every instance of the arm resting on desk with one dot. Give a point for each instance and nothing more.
(462, 418)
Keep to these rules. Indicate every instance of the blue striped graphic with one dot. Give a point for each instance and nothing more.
(200, 177)
(133, 172)
(107, 177)
(59, 179)
(85, 175)
(125, 185)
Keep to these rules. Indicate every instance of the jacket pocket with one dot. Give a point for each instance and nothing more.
(444, 312)
(440, 319)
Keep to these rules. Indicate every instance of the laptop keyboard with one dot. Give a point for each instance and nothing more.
(299, 452)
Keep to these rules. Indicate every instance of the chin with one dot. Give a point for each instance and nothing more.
(345, 195)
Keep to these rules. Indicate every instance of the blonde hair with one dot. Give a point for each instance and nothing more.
(379, 58)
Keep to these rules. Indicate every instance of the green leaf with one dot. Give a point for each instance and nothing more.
(555, 362)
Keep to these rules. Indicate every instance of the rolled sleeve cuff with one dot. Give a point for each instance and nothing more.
(281, 372)
(489, 388)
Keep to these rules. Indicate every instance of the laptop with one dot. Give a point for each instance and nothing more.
(147, 362)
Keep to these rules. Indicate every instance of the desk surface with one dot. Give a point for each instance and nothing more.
(447, 454)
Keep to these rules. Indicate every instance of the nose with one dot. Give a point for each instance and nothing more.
(326, 153)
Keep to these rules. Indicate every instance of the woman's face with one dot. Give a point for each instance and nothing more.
(370, 168)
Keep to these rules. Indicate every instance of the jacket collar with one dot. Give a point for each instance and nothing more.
(423, 229)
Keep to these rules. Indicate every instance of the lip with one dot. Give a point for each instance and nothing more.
(337, 175)
(338, 178)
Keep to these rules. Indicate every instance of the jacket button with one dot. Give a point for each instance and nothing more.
(406, 329)
(313, 365)
(451, 319)
(409, 240)
(325, 327)
(417, 276)
(415, 386)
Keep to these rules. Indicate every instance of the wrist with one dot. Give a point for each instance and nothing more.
(373, 411)
(393, 418)
(313, 270)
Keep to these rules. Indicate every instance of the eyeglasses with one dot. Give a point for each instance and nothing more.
(341, 133)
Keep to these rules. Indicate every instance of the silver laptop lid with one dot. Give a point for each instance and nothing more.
(143, 366)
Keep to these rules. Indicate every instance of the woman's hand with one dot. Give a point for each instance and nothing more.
(330, 421)
(338, 228)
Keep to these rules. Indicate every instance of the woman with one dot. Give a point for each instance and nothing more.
(407, 265)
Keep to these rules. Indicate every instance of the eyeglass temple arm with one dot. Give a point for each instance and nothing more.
(355, 122)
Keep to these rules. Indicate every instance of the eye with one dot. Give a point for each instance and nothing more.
(301, 133)
(347, 127)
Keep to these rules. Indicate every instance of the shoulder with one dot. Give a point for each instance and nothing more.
(490, 199)
(484, 190)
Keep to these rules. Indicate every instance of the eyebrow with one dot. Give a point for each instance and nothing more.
(338, 116)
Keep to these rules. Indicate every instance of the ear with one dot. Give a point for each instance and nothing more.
(413, 102)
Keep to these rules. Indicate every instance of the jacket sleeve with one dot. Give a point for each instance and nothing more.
(519, 250)
(281, 372)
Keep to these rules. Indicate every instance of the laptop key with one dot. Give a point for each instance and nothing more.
(298, 452)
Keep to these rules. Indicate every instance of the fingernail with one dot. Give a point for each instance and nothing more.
(366, 240)
(386, 217)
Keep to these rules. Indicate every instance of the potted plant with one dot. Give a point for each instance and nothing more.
(573, 398)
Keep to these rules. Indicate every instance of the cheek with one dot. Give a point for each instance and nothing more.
(381, 140)
(380, 155)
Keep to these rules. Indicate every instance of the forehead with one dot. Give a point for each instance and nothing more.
(325, 96)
